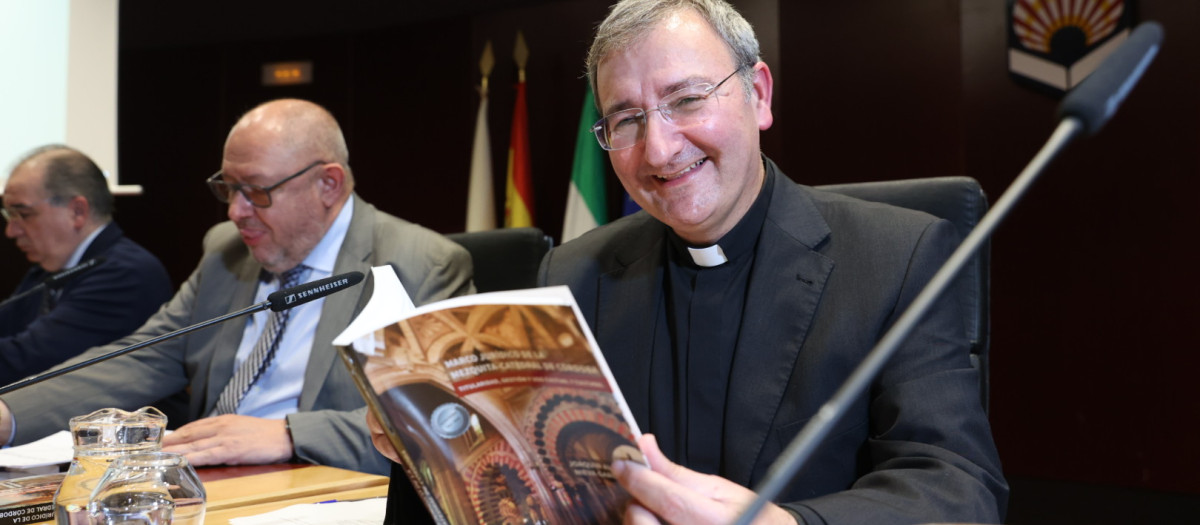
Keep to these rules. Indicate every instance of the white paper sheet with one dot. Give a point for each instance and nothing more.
(55, 449)
(364, 512)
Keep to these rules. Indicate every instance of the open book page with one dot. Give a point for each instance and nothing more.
(389, 301)
(501, 406)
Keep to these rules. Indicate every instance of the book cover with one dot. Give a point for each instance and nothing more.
(29, 500)
(500, 404)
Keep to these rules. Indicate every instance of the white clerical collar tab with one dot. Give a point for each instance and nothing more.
(708, 257)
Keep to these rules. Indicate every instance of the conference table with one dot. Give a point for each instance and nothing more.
(238, 491)
(241, 491)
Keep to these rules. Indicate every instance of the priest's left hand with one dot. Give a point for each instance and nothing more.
(380, 439)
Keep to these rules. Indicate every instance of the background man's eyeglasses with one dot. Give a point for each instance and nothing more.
(256, 195)
(17, 215)
(686, 107)
(21, 213)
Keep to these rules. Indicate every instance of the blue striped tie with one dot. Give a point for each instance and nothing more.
(260, 358)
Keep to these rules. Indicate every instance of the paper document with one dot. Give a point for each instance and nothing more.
(55, 449)
(364, 512)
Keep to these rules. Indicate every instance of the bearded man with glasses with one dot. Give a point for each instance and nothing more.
(266, 389)
(738, 301)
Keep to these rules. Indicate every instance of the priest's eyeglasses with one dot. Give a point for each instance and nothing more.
(687, 107)
(256, 195)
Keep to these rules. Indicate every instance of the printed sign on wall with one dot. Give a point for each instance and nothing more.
(1054, 44)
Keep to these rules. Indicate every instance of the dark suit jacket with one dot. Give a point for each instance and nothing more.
(96, 307)
(831, 274)
(330, 426)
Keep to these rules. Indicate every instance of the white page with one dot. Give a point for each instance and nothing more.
(55, 449)
(389, 301)
(365, 512)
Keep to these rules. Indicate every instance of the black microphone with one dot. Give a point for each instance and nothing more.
(1099, 95)
(276, 302)
(55, 280)
(1096, 99)
(308, 292)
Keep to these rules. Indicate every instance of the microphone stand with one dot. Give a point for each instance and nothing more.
(55, 280)
(278, 300)
(12, 299)
(805, 443)
(1084, 110)
(187, 329)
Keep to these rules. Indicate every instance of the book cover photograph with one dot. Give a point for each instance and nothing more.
(29, 500)
(500, 404)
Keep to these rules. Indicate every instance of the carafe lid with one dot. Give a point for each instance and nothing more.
(118, 430)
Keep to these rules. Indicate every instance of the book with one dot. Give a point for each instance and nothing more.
(500, 405)
(29, 500)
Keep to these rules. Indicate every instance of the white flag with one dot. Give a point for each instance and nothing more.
(481, 206)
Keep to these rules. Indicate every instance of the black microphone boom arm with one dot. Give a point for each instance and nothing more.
(805, 443)
(1084, 111)
(137, 346)
(276, 301)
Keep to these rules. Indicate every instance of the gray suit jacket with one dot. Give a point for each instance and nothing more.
(330, 426)
(831, 274)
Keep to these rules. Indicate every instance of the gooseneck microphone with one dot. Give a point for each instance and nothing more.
(1085, 110)
(1096, 99)
(56, 280)
(295, 296)
(277, 301)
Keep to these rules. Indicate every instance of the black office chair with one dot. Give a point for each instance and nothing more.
(507, 258)
(961, 201)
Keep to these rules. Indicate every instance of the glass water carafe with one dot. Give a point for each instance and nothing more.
(99, 438)
(150, 488)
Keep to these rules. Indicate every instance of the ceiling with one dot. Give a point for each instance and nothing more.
(152, 23)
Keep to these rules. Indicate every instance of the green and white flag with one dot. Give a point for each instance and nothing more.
(586, 207)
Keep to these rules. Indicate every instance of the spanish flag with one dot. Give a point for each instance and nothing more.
(518, 206)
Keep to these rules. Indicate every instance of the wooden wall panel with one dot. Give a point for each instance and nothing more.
(1093, 300)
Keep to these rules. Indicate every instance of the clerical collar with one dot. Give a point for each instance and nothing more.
(739, 241)
(708, 257)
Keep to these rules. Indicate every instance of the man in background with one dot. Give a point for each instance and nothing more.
(269, 388)
(59, 212)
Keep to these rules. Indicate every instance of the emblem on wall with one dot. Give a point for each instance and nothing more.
(1054, 44)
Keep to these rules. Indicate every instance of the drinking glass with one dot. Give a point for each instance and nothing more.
(151, 488)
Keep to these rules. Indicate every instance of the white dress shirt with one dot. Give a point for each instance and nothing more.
(277, 391)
